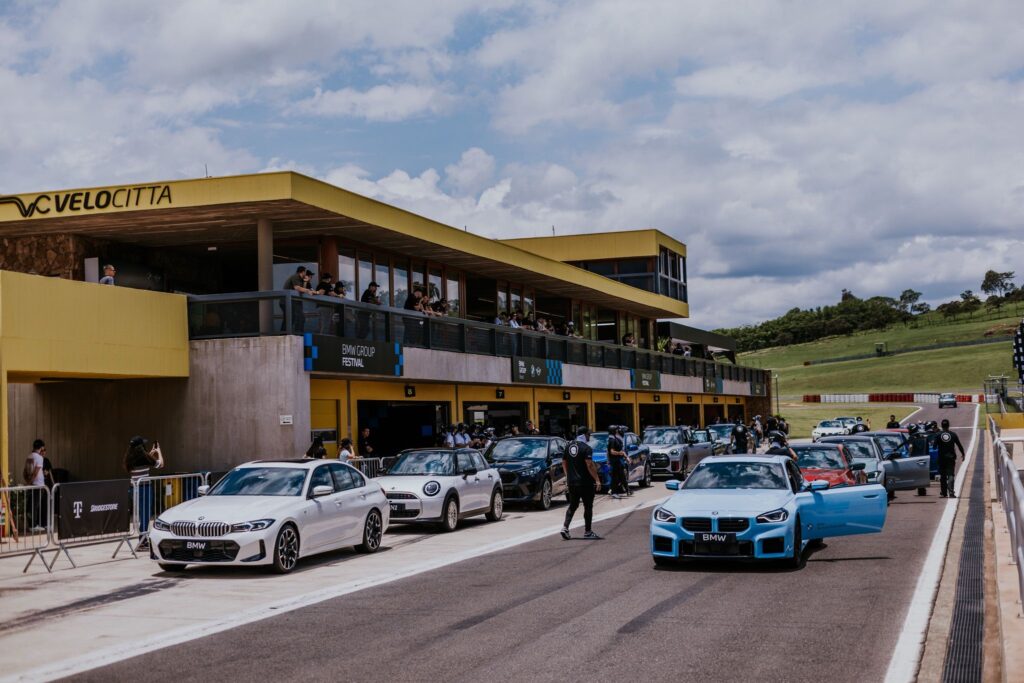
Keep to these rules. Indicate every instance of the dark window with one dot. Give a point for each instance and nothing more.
(479, 463)
(321, 477)
(464, 460)
(601, 267)
(344, 476)
(634, 266)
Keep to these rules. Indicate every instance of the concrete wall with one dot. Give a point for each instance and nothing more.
(227, 412)
(447, 366)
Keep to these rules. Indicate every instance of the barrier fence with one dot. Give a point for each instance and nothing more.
(89, 513)
(896, 397)
(153, 495)
(25, 522)
(1010, 490)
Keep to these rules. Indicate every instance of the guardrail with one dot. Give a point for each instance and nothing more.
(247, 314)
(26, 517)
(1010, 490)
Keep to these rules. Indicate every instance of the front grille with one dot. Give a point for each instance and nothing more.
(733, 524)
(511, 491)
(404, 514)
(399, 495)
(741, 549)
(659, 460)
(508, 477)
(662, 544)
(204, 529)
(697, 523)
(200, 551)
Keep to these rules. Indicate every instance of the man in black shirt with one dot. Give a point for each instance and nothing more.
(295, 283)
(893, 423)
(779, 446)
(363, 317)
(617, 461)
(948, 442)
(581, 475)
(739, 439)
(365, 446)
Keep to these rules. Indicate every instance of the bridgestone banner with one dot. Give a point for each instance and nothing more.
(93, 508)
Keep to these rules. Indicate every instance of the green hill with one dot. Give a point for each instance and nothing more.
(952, 369)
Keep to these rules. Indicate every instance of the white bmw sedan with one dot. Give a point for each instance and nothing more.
(273, 512)
(443, 486)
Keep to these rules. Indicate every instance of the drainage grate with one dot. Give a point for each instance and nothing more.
(967, 630)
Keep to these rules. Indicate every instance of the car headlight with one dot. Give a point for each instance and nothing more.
(773, 517)
(431, 488)
(532, 472)
(674, 451)
(663, 515)
(161, 525)
(255, 525)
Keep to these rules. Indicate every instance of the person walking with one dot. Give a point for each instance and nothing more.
(739, 439)
(617, 461)
(948, 442)
(581, 475)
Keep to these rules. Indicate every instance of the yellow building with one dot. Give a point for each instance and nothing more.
(201, 345)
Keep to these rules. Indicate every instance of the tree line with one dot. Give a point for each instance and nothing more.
(853, 314)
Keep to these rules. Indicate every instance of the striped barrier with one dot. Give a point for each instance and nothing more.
(895, 397)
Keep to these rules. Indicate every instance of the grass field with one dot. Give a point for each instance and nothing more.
(956, 369)
(802, 417)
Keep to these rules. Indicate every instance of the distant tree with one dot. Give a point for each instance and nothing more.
(847, 295)
(950, 309)
(994, 302)
(907, 300)
(919, 308)
(996, 283)
(969, 302)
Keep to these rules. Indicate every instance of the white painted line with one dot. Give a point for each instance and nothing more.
(112, 655)
(907, 418)
(906, 656)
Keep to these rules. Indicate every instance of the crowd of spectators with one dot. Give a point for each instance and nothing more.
(520, 321)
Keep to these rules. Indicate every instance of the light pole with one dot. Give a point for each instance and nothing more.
(778, 411)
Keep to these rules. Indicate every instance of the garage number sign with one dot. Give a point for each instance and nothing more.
(536, 371)
(645, 380)
(324, 353)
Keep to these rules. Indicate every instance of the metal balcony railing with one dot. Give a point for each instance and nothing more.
(249, 314)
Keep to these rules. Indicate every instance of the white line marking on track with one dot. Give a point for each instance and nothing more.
(119, 653)
(906, 656)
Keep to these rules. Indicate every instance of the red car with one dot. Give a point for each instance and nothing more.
(828, 462)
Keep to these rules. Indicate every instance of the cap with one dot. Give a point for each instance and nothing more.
(583, 431)
(373, 284)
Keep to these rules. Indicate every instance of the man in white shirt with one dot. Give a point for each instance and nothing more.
(33, 476)
(461, 437)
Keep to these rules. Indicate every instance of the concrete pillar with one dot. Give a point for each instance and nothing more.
(329, 257)
(265, 271)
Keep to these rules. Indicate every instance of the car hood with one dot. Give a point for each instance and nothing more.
(665, 449)
(830, 430)
(412, 483)
(726, 502)
(519, 465)
(831, 476)
(230, 509)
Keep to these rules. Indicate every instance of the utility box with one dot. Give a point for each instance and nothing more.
(880, 349)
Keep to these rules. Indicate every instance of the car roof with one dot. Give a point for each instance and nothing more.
(439, 448)
(779, 459)
(665, 427)
(839, 438)
(284, 462)
(512, 438)
(804, 446)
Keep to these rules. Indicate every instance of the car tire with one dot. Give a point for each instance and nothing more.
(922, 492)
(168, 567)
(645, 480)
(286, 549)
(450, 514)
(497, 508)
(544, 503)
(684, 465)
(373, 533)
(797, 559)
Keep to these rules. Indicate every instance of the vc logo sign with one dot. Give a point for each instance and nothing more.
(77, 506)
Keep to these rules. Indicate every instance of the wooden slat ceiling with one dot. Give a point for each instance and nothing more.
(227, 223)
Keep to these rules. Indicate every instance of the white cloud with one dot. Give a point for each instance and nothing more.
(379, 103)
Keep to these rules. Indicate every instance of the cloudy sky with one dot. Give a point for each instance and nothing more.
(797, 147)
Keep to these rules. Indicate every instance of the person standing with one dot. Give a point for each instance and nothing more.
(346, 452)
(581, 475)
(461, 437)
(449, 437)
(108, 275)
(893, 423)
(138, 460)
(948, 442)
(617, 460)
(739, 439)
(33, 475)
(295, 283)
(363, 321)
(365, 444)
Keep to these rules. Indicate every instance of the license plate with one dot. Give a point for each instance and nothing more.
(398, 507)
(716, 537)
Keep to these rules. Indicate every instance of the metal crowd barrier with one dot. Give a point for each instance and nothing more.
(151, 496)
(87, 513)
(1010, 490)
(371, 467)
(26, 517)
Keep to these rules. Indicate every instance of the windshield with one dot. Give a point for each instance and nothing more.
(819, 459)
(661, 437)
(830, 423)
(737, 475)
(424, 462)
(890, 442)
(860, 450)
(721, 431)
(947, 396)
(261, 481)
(599, 442)
(701, 435)
(518, 449)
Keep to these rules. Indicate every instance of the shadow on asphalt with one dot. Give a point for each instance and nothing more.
(741, 566)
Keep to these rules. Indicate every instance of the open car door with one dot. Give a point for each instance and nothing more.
(842, 511)
(909, 473)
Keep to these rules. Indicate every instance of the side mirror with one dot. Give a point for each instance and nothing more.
(319, 491)
(469, 471)
(203, 490)
(818, 485)
(857, 466)
(672, 485)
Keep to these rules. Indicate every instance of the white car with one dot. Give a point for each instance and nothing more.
(442, 485)
(273, 512)
(848, 422)
(829, 428)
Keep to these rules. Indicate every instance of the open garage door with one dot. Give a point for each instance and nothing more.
(561, 419)
(501, 415)
(397, 425)
(713, 411)
(653, 414)
(737, 413)
(688, 414)
(612, 414)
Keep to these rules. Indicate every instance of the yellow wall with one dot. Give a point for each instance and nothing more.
(1010, 420)
(599, 245)
(50, 327)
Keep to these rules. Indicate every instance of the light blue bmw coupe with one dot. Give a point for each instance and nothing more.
(758, 508)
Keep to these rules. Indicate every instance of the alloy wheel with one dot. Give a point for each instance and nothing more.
(373, 531)
(288, 548)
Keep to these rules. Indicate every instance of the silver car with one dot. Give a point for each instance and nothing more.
(675, 451)
(442, 486)
(863, 449)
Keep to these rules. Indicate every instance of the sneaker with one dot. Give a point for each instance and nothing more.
(942, 495)
(591, 536)
(952, 495)
(629, 492)
(616, 496)
(565, 533)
